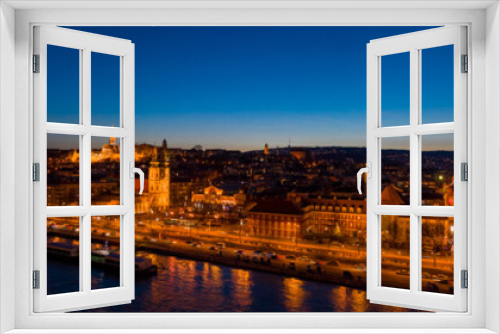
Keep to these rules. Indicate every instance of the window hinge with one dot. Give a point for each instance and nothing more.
(465, 64)
(464, 172)
(36, 172)
(36, 63)
(465, 279)
(36, 279)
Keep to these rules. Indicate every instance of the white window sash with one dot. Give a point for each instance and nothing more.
(87, 43)
(413, 43)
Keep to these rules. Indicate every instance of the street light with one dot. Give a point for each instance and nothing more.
(241, 224)
(296, 235)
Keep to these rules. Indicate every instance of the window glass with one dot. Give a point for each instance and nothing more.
(63, 255)
(105, 170)
(395, 174)
(105, 250)
(395, 232)
(437, 170)
(437, 84)
(437, 254)
(63, 85)
(105, 89)
(63, 170)
(395, 89)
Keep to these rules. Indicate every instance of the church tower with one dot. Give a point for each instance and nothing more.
(159, 180)
(165, 176)
(266, 149)
(154, 174)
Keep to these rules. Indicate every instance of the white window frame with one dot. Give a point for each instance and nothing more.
(414, 43)
(85, 43)
(482, 19)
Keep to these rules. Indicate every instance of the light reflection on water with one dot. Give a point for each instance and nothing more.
(183, 285)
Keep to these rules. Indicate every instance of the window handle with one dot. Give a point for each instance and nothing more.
(368, 171)
(141, 175)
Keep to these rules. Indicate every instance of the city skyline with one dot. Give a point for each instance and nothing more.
(241, 87)
(396, 146)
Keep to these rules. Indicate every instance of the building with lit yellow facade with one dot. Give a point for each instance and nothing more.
(156, 195)
(109, 152)
(343, 217)
(275, 218)
(214, 198)
(322, 217)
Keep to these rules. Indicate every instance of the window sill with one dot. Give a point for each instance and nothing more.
(251, 331)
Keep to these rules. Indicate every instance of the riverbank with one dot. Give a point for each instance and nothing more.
(350, 274)
(185, 285)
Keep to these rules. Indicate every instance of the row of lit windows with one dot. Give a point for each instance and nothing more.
(342, 223)
(273, 233)
(276, 225)
(344, 208)
(274, 217)
(336, 216)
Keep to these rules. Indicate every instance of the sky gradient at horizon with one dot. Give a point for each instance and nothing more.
(242, 87)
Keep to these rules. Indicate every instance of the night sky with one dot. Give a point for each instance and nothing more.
(242, 87)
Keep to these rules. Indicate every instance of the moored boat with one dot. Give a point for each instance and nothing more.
(63, 249)
(103, 258)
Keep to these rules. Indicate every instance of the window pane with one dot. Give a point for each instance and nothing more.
(105, 171)
(63, 85)
(395, 171)
(395, 90)
(395, 251)
(437, 254)
(63, 170)
(105, 90)
(437, 84)
(437, 170)
(105, 252)
(63, 250)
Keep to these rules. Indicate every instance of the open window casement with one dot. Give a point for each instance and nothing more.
(82, 133)
(425, 289)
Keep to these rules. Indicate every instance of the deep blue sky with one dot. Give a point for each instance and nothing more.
(241, 87)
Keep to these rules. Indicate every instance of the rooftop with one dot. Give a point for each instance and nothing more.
(276, 206)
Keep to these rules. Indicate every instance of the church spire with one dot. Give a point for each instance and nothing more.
(166, 158)
(155, 154)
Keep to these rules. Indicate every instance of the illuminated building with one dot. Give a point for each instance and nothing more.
(341, 217)
(275, 218)
(159, 182)
(108, 153)
(395, 229)
(448, 190)
(156, 196)
(214, 199)
(300, 154)
(181, 190)
(65, 194)
(391, 196)
(266, 149)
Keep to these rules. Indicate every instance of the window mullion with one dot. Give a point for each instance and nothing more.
(81, 237)
(107, 131)
(123, 175)
(415, 172)
(85, 264)
(85, 179)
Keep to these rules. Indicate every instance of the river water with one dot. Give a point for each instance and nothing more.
(183, 285)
